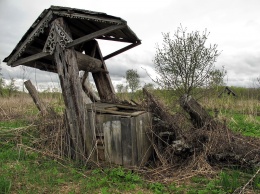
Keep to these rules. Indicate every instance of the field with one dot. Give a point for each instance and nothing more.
(24, 168)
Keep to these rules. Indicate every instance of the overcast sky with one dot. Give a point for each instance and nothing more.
(234, 25)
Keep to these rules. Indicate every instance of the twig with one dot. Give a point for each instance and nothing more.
(252, 178)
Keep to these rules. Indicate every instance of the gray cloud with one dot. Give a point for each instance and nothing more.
(234, 28)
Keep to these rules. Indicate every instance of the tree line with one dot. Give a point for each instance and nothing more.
(7, 89)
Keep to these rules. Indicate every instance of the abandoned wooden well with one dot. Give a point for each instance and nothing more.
(120, 132)
(64, 40)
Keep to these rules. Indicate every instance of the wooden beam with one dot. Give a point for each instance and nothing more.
(121, 50)
(30, 59)
(103, 82)
(95, 35)
(67, 68)
(85, 62)
(88, 63)
(36, 99)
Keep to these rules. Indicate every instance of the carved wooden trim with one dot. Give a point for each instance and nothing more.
(36, 32)
(56, 35)
(89, 17)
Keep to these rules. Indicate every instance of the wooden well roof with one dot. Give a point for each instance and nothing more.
(84, 26)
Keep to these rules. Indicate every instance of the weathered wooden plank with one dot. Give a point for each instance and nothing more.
(121, 50)
(88, 63)
(113, 140)
(143, 144)
(91, 136)
(34, 94)
(134, 141)
(95, 35)
(126, 132)
(30, 59)
(147, 146)
(107, 141)
(116, 141)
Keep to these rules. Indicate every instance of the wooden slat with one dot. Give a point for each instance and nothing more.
(95, 35)
(113, 140)
(126, 133)
(121, 50)
(30, 58)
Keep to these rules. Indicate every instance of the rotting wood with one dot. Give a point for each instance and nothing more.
(88, 89)
(85, 62)
(30, 59)
(67, 69)
(160, 111)
(198, 115)
(102, 80)
(34, 94)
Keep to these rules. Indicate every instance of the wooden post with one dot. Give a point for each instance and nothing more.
(87, 88)
(102, 80)
(67, 69)
(34, 94)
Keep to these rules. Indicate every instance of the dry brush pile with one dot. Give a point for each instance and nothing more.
(195, 141)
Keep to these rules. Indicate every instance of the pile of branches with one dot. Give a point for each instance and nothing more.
(197, 141)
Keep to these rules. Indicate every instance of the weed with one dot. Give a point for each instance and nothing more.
(5, 185)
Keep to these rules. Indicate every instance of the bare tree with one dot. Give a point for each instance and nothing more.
(184, 62)
(132, 78)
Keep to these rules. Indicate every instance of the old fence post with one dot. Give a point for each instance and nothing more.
(36, 99)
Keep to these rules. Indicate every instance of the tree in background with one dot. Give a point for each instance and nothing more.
(149, 86)
(216, 77)
(133, 79)
(11, 87)
(184, 62)
(119, 88)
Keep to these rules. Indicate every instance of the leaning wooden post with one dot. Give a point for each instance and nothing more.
(67, 69)
(34, 94)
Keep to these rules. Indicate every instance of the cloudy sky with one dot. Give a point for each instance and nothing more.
(234, 25)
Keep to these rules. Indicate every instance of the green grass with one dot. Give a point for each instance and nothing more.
(29, 172)
(245, 124)
(11, 124)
